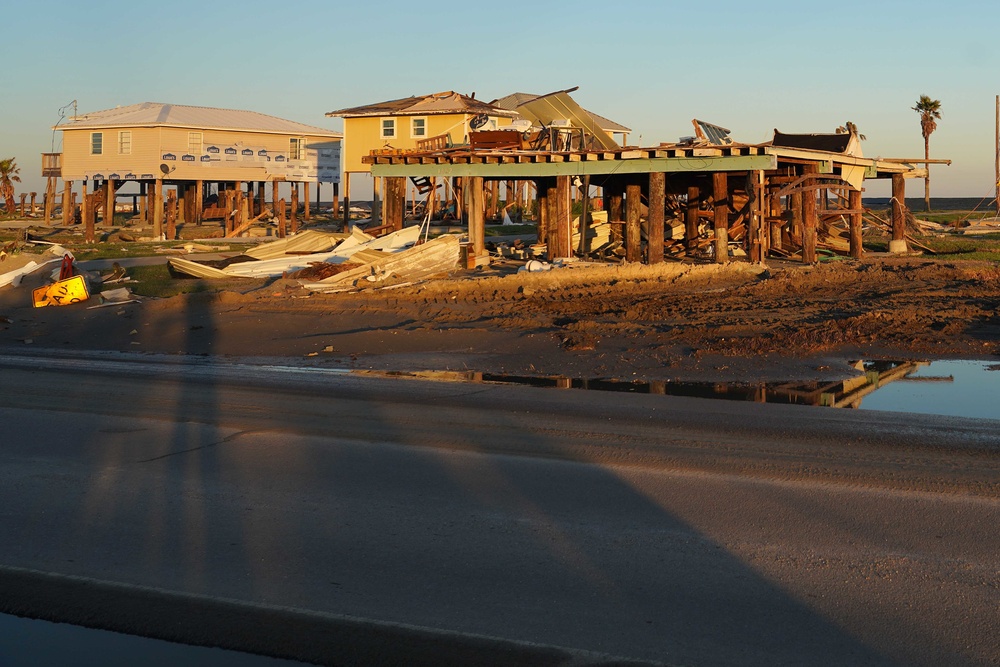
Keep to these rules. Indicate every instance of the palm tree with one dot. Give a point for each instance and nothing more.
(8, 176)
(930, 111)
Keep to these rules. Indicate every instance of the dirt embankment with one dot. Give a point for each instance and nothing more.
(672, 321)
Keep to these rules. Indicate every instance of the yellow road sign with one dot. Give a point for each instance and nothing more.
(61, 293)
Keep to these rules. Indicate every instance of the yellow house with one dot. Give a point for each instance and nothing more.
(400, 124)
(148, 141)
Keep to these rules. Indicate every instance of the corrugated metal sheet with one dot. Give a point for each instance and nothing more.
(178, 115)
(514, 100)
(559, 106)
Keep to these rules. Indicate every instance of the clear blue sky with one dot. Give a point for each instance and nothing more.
(653, 66)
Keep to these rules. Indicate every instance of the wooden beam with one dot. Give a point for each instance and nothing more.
(395, 202)
(294, 215)
(282, 230)
(551, 217)
(306, 213)
(109, 204)
(657, 207)
(720, 219)
(898, 213)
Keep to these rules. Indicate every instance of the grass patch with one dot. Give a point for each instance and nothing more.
(157, 281)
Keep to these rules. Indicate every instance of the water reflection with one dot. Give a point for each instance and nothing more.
(954, 388)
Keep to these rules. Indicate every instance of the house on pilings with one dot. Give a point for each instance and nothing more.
(715, 195)
(437, 121)
(194, 150)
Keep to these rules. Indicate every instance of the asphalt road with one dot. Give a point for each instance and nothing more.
(348, 520)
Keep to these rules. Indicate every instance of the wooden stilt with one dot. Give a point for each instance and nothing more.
(282, 232)
(171, 215)
(395, 202)
(854, 203)
(633, 223)
(777, 223)
(810, 220)
(32, 209)
(541, 205)
(293, 218)
(158, 208)
(261, 204)
(476, 214)
(551, 221)
(657, 208)
(275, 203)
(757, 244)
(50, 199)
(898, 214)
(691, 218)
(616, 213)
(720, 205)
(564, 216)
(109, 205)
(23, 205)
(67, 203)
(306, 213)
(87, 202)
(347, 200)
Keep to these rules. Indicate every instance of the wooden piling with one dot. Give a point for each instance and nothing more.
(50, 199)
(67, 203)
(293, 220)
(306, 213)
(274, 200)
(542, 206)
(347, 200)
(720, 205)
(395, 202)
(615, 213)
(109, 203)
(757, 242)
(171, 215)
(564, 216)
(657, 207)
(33, 196)
(854, 203)
(633, 224)
(776, 221)
(87, 213)
(551, 218)
(282, 231)
(810, 219)
(898, 208)
(261, 204)
(476, 214)
(158, 208)
(143, 204)
(691, 218)
(24, 197)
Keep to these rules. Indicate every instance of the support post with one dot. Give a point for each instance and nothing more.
(306, 213)
(261, 204)
(395, 202)
(32, 210)
(171, 215)
(615, 212)
(109, 203)
(67, 203)
(854, 203)
(720, 205)
(24, 196)
(476, 214)
(50, 199)
(282, 231)
(795, 230)
(691, 218)
(551, 217)
(542, 206)
(158, 208)
(564, 216)
(199, 200)
(633, 225)
(810, 220)
(657, 206)
(294, 215)
(347, 200)
(898, 243)
(88, 215)
(143, 204)
(336, 200)
(757, 240)
(776, 223)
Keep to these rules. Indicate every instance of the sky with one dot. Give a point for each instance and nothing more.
(650, 65)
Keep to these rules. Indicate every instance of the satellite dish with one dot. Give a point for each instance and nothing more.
(478, 121)
(165, 169)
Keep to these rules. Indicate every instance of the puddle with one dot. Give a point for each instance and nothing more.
(952, 388)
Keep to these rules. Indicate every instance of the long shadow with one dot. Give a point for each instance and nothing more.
(354, 506)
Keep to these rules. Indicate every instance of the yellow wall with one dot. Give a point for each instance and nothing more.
(149, 144)
(362, 135)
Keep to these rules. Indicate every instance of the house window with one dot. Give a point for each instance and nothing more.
(96, 143)
(295, 148)
(388, 128)
(125, 142)
(418, 127)
(194, 142)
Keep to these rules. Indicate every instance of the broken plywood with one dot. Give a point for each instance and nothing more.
(436, 256)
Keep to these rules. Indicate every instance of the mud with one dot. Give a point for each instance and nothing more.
(669, 322)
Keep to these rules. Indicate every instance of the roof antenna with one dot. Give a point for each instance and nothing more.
(62, 117)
